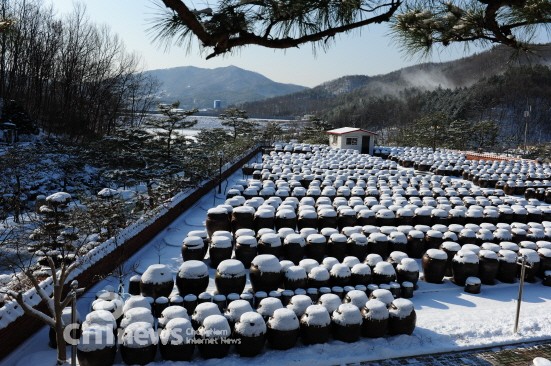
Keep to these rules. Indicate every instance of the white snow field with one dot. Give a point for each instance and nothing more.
(448, 319)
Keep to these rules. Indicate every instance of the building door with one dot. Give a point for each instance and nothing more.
(366, 140)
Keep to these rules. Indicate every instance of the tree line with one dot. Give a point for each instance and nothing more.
(69, 75)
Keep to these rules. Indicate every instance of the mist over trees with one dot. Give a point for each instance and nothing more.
(71, 76)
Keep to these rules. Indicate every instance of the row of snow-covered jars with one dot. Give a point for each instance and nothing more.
(302, 214)
(488, 262)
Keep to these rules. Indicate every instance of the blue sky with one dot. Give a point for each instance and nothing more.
(369, 52)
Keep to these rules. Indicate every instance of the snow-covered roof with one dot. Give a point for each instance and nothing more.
(345, 130)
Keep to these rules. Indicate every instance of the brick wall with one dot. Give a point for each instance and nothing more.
(25, 326)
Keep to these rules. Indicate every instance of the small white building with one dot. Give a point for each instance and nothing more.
(352, 138)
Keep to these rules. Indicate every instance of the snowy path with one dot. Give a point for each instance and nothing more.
(448, 319)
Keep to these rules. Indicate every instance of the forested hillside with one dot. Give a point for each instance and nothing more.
(484, 87)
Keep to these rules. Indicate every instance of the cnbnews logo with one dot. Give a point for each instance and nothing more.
(102, 335)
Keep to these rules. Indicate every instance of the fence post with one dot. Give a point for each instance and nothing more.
(520, 288)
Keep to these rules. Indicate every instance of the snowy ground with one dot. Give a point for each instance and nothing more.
(448, 319)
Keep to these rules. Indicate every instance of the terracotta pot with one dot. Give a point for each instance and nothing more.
(250, 334)
(346, 333)
(230, 284)
(193, 249)
(311, 334)
(156, 290)
(488, 270)
(337, 247)
(315, 247)
(192, 285)
(472, 285)
(461, 271)
(434, 267)
(242, 217)
(507, 272)
(282, 339)
(250, 346)
(415, 245)
(100, 357)
(303, 222)
(217, 219)
(190, 303)
(357, 246)
(261, 222)
(263, 280)
(270, 244)
(293, 248)
(212, 350)
(134, 285)
(138, 356)
(217, 255)
(374, 327)
(180, 352)
(399, 324)
(245, 252)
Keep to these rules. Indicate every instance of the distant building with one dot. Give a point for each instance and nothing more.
(217, 104)
(352, 138)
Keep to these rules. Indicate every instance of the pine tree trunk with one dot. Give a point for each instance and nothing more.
(61, 345)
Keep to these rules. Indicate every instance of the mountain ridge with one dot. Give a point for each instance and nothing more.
(197, 87)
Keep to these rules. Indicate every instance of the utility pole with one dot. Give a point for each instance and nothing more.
(526, 117)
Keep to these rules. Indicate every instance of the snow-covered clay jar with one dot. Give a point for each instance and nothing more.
(464, 264)
(488, 266)
(315, 247)
(285, 217)
(451, 248)
(315, 325)
(416, 244)
(242, 217)
(507, 271)
(217, 219)
(545, 261)
(202, 310)
(407, 270)
(264, 219)
(383, 272)
(434, 265)
(402, 317)
(307, 218)
(360, 275)
(270, 243)
(294, 248)
(378, 243)
(245, 249)
(340, 275)
(265, 272)
(357, 246)
(193, 248)
(283, 329)
(230, 277)
(337, 246)
(139, 344)
(157, 281)
(235, 309)
(532, 263)
(215, 335)
(192, 278)
(250, 333)
(295, 277)
(176, 340)
(346, 323)
(97, 346)
(473, 285)
(220, 249)
(374, 319)
(318, 277)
